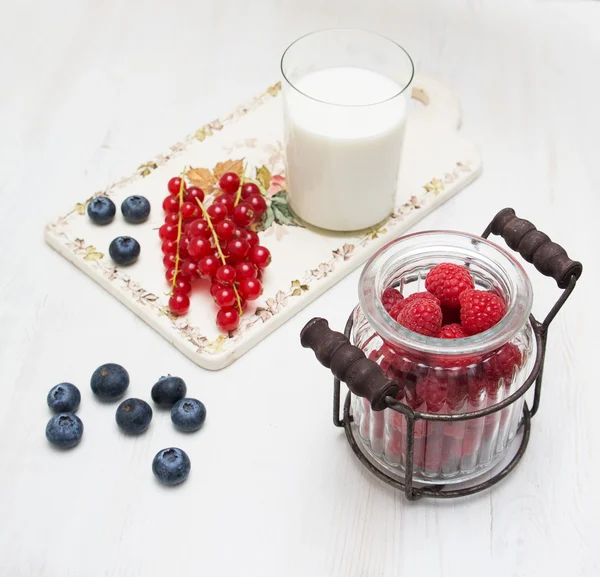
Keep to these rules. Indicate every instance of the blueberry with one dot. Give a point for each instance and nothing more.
(64, 430)
(64, 398)
(188, 414)
(171, 466)
(109, 382)
(136, 209)
(101, 210)
(168, 390)
(134, 416)
(124, 250)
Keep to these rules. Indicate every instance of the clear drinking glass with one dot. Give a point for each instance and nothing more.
(345, 104)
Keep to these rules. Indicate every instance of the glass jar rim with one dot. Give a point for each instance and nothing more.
(289, 82)
(520, 298)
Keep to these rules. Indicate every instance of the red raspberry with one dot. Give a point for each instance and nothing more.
(433, 391)
(390, 297)
(447, 281)
(480, 310)
(399, 305)
(423, 316)
(453, 331)
(503, 363)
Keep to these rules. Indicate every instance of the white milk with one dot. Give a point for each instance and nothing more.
(343, 158)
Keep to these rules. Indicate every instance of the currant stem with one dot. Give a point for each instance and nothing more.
(218, 246)
(179, 227)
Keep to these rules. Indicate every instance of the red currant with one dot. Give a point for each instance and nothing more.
(227, 201)
(258, 204)
(228, 319)
(226, 274)
(169, 247)
(170, 273)
(250, 288)
(225, 297)
(199, 247)
(225, 229)
(241, 233)
(198, 228)
(207, 266)
(188, 210)
(260, 256)
(229, 182)
(169, 260)
(217, 212)
(189, 268)
(214, 287)
(168, 232)
(243, 214)
(184, 242)
(252, 238)
(175, 185)
(179, 304)
(172, 218)
(171, 204)
(193, 193)
(237, 249)
(244, 270)
(182, 286)
(249, 188)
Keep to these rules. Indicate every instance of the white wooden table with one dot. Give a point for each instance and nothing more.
(89, 90)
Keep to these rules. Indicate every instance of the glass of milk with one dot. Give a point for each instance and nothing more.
(345, 103)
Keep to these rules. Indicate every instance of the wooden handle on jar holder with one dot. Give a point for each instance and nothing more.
(348, 363)
(535, 247)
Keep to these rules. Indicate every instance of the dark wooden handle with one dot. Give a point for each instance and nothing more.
(348, 363)
(535, 247)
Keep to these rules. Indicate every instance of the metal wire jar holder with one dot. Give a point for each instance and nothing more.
(365, 378)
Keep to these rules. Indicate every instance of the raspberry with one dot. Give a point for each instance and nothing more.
(423, 316)
(503, 362)
(480, 310)
(390, 297)
(447, 281)
(433, 391)
(453, 331)
(399, 305)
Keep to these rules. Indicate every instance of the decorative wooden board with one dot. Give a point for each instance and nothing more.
(437, 163)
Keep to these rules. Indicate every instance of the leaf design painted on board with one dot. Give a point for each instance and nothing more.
(298, 288)
(435, 185)
(282, 213)
(216, 346)
(267, 221)
(274, 90)
(376, 232)
(202, 178)
(263, 175)
(345, 252)
(202, 133)
(92, 254)
(81, 207)
(147, 168)
(236, 166)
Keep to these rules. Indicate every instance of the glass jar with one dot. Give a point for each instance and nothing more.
(444, 376)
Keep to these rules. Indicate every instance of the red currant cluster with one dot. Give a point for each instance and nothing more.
(214, 243)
